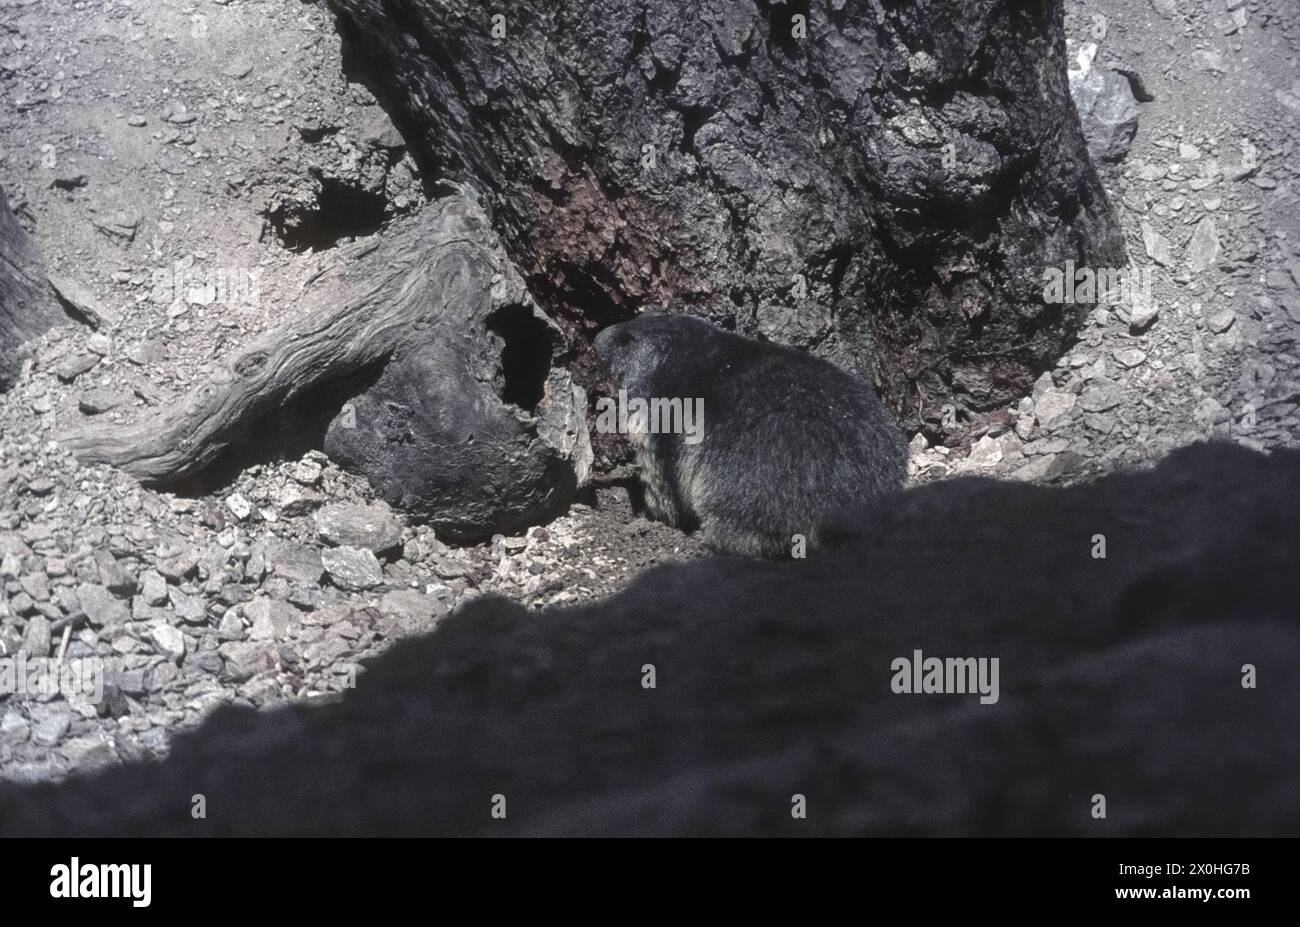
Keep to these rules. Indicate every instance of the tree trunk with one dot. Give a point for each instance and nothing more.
(884, 183)
(431, 294)
(27, 305)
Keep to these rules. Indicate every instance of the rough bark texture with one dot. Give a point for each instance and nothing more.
(914, 164)
(442, 431)
(27, 305)
(1120, 676)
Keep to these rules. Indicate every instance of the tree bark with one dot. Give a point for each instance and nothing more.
(882, 183)
(429, 286)
(27, 306)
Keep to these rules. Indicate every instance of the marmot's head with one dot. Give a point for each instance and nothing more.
(633, 352)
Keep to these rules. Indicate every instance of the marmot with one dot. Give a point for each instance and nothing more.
(786, 436)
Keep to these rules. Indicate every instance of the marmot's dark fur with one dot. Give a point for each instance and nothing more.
(787, 437)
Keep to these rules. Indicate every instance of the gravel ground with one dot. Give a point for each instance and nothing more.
(183, 166)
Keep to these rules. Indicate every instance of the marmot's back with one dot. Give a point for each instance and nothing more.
(785, 437)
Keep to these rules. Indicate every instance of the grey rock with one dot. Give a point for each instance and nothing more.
(168, 641)
(270, 619)
(1221, 321)
(89, 753)
(295, 562)
(113, 576)
(153, 588)
(99, 400)
(1108, 112)
(352, 568)
(413, 611)
(35, 585)
(50, 731)
(190, 608)
(36, 637)
(14, 728)
(72, 367)
(1203, 249)
(1051, 404)
(230, 628)
(239, 506)
(372, 527)
(244, 659)
(1142, 313)
(101, 606)
(1101, 395)
(129, 681)
(1157, 246)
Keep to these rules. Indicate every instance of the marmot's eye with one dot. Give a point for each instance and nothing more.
(623, 339)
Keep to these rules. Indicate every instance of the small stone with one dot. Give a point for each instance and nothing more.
(1130, 357)
(36, 637)
(102, 608)
(36, 586)
(1157, 246)
(98, 401)
(295, 562)
(1051, 404)
(136, 121)
(270, 619)
(1142, 313)
(230, 628)
(370, 527)
(50, 731)
(189, 608)
(130, 682)
(153, 588)
(14, 729)
(1100, 396)
(69, 369)
(1036, 469)
(307, 472)
(1104, 423)
(89, 753)
(112, 575)
(244, 659)
(240, 507)
(293, 501)
(414, 611)
(168, 641)
(984, 454)
(1210, 414)
(41, 486)
(352, 568)
(1220, 322)
(1203, 249)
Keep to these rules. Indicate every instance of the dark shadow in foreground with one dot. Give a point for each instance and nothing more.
(1120, 677)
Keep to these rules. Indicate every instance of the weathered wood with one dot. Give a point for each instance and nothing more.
(27, 306)
(436, 304)
(371, 300)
